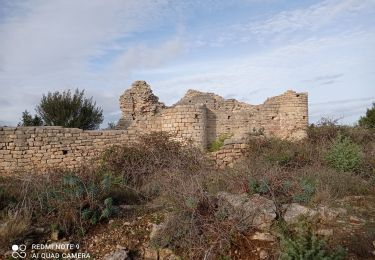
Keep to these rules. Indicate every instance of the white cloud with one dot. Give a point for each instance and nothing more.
(283, 26)
(62, 34)
(309, 18)
(142, 56)
(344, 59)
(48, 45)
(53, 45)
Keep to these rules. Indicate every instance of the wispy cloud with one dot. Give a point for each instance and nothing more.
(310, 18)
(325, 79)
(145, 57)
(284, 25)
(101, 46)
(328, 77)
(48, 45)
(345, 101)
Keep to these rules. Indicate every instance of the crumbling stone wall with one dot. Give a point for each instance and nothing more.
(203, 117)
(199, 117)
(232, 151)
(25, 149)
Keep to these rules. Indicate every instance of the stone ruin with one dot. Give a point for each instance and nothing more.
(199, 117)
(203, 117)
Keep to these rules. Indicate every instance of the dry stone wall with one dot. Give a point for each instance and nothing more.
(231, 152)
(199, 117)
(24, 149)
(204, 117)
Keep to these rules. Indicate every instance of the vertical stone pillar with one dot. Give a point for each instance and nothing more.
(293, 115)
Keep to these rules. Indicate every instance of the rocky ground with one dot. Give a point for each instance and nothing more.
(349, 222)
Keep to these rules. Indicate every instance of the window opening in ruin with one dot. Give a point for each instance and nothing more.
(65, 152)
(228, 117)
(196, 116)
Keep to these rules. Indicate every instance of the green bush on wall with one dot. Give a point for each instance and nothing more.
(344, 155)
(219, 142)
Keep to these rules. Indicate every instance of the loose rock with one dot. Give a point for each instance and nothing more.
(263, 254)
(255, 211)
(293, 211)
(325, 232)
(262, 236)
(356, 221)
(116, 255)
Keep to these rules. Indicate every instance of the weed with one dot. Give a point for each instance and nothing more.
(303, 244)
(14, 223)
(344, 155)
(260, 186)
(219, 142)
(308, 187)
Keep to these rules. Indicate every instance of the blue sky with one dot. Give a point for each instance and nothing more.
(243, 49)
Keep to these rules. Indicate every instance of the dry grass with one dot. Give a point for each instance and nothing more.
(13, 224)
(179, 177)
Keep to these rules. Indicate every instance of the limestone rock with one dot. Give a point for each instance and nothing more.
(293, 211)
(263, 254)
(150, 253)
(325, 232)
(167, 254)
(116, 255)
(255, 211)
(330, 214)
(263, 236)
(155, 229)
(356, 220)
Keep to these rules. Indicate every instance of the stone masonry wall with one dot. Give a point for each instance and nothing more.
(199, 117)
(284, 116)
(231, 152)
(186, 123)
(25, 149)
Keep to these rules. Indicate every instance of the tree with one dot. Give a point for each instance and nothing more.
(111, 126)
(29, 120)
(67, 110)
(368, 121)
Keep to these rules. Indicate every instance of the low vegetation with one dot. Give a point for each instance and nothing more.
(304, 244)
(219, 142)
(334, 162)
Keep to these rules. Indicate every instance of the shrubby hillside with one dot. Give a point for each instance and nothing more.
(159, 199)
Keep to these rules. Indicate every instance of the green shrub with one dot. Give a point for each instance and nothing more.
(258, 186)
(77, 200)
(219, 142)
(303, 244)
(257, 131)
(344, 155)
(368, 121)
(308, 187)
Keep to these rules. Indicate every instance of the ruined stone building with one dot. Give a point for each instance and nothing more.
(203, 117)
(199, 117)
